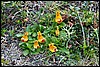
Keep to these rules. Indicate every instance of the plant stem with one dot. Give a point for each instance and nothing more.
(95, 30)
(97, 34)
(84, 45)
(68, 38)
(88, 39)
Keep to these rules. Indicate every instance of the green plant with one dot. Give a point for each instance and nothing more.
(48, 32)
(3, 30)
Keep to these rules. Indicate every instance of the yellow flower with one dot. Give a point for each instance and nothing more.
(36, 45)
(52, 48)
(25, 37)
(58, 18)
(57, 32)
(40, 38)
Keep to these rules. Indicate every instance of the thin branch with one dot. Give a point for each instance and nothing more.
(61, 59)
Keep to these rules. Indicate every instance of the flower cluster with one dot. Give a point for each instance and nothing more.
(41, 38)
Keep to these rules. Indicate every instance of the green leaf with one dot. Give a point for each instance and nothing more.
(64, 50)
(84, 46)
(29, 33)
(37, 51)
(35, 27)
(21, 43)
(81, 46)
(62, 25)
(34, 52)
(3, 31)
(46, 31)
(41, 27)
(41, 9)
(25, 52)
(19, 35)
(31, 41)
(34, 34)
(47, 40)
(27, 28)
(54, 24)
(30, 38)
(57, 53)
(63, 34)
(29, 45)
(50, 28)
(54, 39)
(52, 31)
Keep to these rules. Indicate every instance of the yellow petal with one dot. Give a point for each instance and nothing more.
(39, 33)
(57, 32)
(58, 18)
(51, 44)
(36, 45)
(40, 38)
(24, 38)
(26, 33)
(52, 48)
